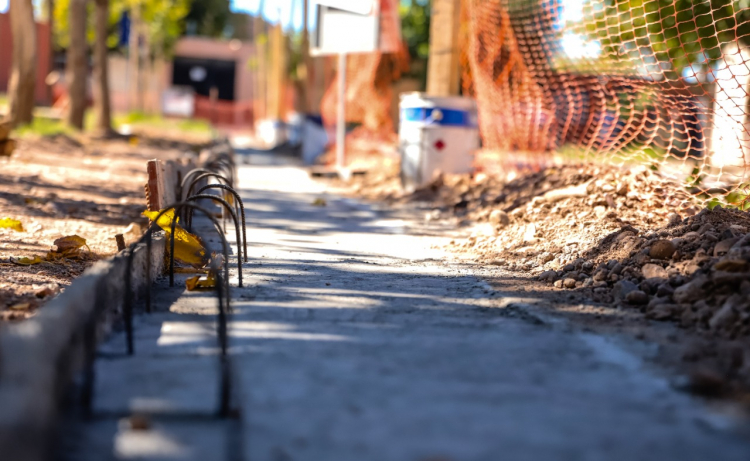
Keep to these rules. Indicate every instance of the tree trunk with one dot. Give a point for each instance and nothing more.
(23, 72)
(102, 106)
(77, 68)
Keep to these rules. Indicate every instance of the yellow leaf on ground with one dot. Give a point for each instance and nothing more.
(69, 245)
(200, 282)
(187, 247)
(20, 306)
(7, 223)
(319, 202)
(27, 261)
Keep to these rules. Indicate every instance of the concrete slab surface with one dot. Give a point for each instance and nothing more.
(357, 338)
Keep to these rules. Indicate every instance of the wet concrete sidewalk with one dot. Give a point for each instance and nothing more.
(356, 337)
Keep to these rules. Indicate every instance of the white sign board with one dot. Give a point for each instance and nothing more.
(178, 102)
(355, 29)
(352, 6)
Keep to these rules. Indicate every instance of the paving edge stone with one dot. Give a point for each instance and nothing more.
(39, 357)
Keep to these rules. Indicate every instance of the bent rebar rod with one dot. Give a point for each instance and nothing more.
(234, 218)
(220, 178)
(238, 203)
(222, 291)
(207, 175)
(127, 308)
(189, 177)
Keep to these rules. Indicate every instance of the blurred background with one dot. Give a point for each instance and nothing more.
(662, 83)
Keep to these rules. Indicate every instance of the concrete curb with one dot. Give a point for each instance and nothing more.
(40, 356)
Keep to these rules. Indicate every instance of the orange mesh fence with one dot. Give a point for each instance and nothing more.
(660, 82)
(368, 91)
(222, 112)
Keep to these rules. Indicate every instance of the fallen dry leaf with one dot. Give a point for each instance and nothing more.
(20, 306)
(188, 248)
(7, 223)
(70, 245)
(27, 261)
(319, 202)
(32, 201)
(46, 290)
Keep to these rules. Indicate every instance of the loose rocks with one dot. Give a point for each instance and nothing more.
(662, 249)
(499, 219)
(622, 288)
(652, 271)
(724, 246)
(691, 291)
(636, 297)
(569, 283)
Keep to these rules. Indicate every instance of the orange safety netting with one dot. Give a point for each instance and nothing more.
(661, 82)
(368, 91)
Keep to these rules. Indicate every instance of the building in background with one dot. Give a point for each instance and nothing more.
(220, 76)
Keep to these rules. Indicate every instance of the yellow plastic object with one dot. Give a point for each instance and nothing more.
(201, 282)
(7, 223)
(187, 247)
(229, 197)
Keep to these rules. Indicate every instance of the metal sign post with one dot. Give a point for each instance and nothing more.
(352, 26)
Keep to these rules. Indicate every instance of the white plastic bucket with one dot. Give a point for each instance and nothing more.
(436, 135)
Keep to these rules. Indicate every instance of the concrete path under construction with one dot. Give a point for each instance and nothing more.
(356, 338)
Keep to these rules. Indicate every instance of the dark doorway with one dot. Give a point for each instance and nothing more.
(203, 74)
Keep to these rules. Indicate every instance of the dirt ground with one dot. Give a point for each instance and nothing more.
(59, 186)
(620, 249)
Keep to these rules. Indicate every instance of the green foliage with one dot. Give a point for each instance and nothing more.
(415, 30)
(295, 57)
(210, 17)
(740, 198)
(62, 35)
(678, 32)
(42, 126)
(695, 179)
(164, 20)
(136, 119)
(713, 203)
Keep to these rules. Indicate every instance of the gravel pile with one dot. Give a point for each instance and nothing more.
(695, 271)
(629, 237)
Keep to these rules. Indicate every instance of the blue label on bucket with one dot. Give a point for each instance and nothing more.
(437, 116)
